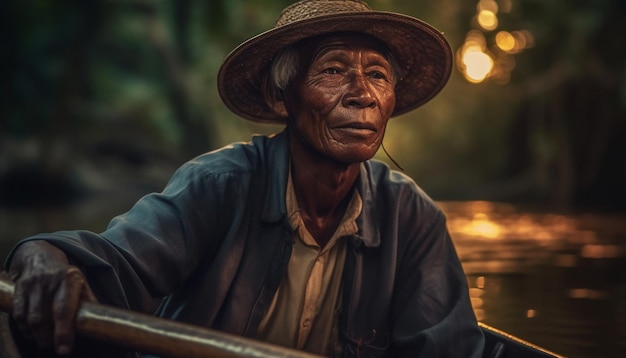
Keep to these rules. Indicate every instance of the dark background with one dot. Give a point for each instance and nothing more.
(101, 100)
(131, 84)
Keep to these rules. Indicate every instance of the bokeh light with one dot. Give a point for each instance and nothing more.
(481, 58)
(474, 61)
(487, 20)
(487, 5)
(477, 64)
(506, 42)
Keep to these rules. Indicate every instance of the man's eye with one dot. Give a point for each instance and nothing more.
(378, 75)
(331, 71)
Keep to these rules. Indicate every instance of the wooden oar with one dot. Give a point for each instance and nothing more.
(159, 336)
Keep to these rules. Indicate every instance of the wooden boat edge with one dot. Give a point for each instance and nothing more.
(510, 345)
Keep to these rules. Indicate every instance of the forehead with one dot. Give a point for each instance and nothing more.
(341, 41)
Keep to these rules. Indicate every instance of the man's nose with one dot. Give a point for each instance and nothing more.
(358, 92)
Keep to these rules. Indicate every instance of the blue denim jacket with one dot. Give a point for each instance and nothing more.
(212, 248)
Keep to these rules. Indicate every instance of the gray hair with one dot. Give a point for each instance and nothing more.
(284, 68)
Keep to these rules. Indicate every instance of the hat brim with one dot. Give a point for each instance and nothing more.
(422, 52)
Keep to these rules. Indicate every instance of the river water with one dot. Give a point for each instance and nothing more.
(556, 280)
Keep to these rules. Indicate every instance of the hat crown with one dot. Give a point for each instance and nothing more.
(307, 9)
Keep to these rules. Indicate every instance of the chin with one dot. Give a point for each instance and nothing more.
(355, 156)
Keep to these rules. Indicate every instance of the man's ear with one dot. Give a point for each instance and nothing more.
(274, 98)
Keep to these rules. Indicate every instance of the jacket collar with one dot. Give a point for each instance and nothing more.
(368, 220)
(276, 161)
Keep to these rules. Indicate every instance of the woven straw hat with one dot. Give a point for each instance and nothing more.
(421, 51)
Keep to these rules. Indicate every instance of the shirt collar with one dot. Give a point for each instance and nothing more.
(276, 162)
(347, 226)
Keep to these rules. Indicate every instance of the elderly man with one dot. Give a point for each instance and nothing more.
(297, 239)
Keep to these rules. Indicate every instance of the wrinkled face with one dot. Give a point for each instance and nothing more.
(339, 106)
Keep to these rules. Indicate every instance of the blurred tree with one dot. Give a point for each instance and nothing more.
(572, 102)
(45, 65)
(84, 80)
(551, 132)
(133, 82)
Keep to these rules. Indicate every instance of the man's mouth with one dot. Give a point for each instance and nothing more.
(358, 127)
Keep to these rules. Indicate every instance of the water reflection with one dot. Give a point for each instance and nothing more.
(601, 251)
(557, 280)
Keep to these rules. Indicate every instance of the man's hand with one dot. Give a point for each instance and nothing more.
(47, 295)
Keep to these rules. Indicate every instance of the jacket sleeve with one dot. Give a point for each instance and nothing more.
(432, 312)
(147, 252)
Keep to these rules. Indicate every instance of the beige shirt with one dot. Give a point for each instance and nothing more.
(304, 312)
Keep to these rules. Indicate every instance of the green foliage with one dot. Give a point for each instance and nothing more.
(77, 72)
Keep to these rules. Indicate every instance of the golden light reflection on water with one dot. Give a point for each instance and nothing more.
(476, 294)
(566, 260)
(481, 226)
(601, 251)
(498, 237)
(500, 221)
(480, 282)
(586, 293)
(544, 276)
(478, 299)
